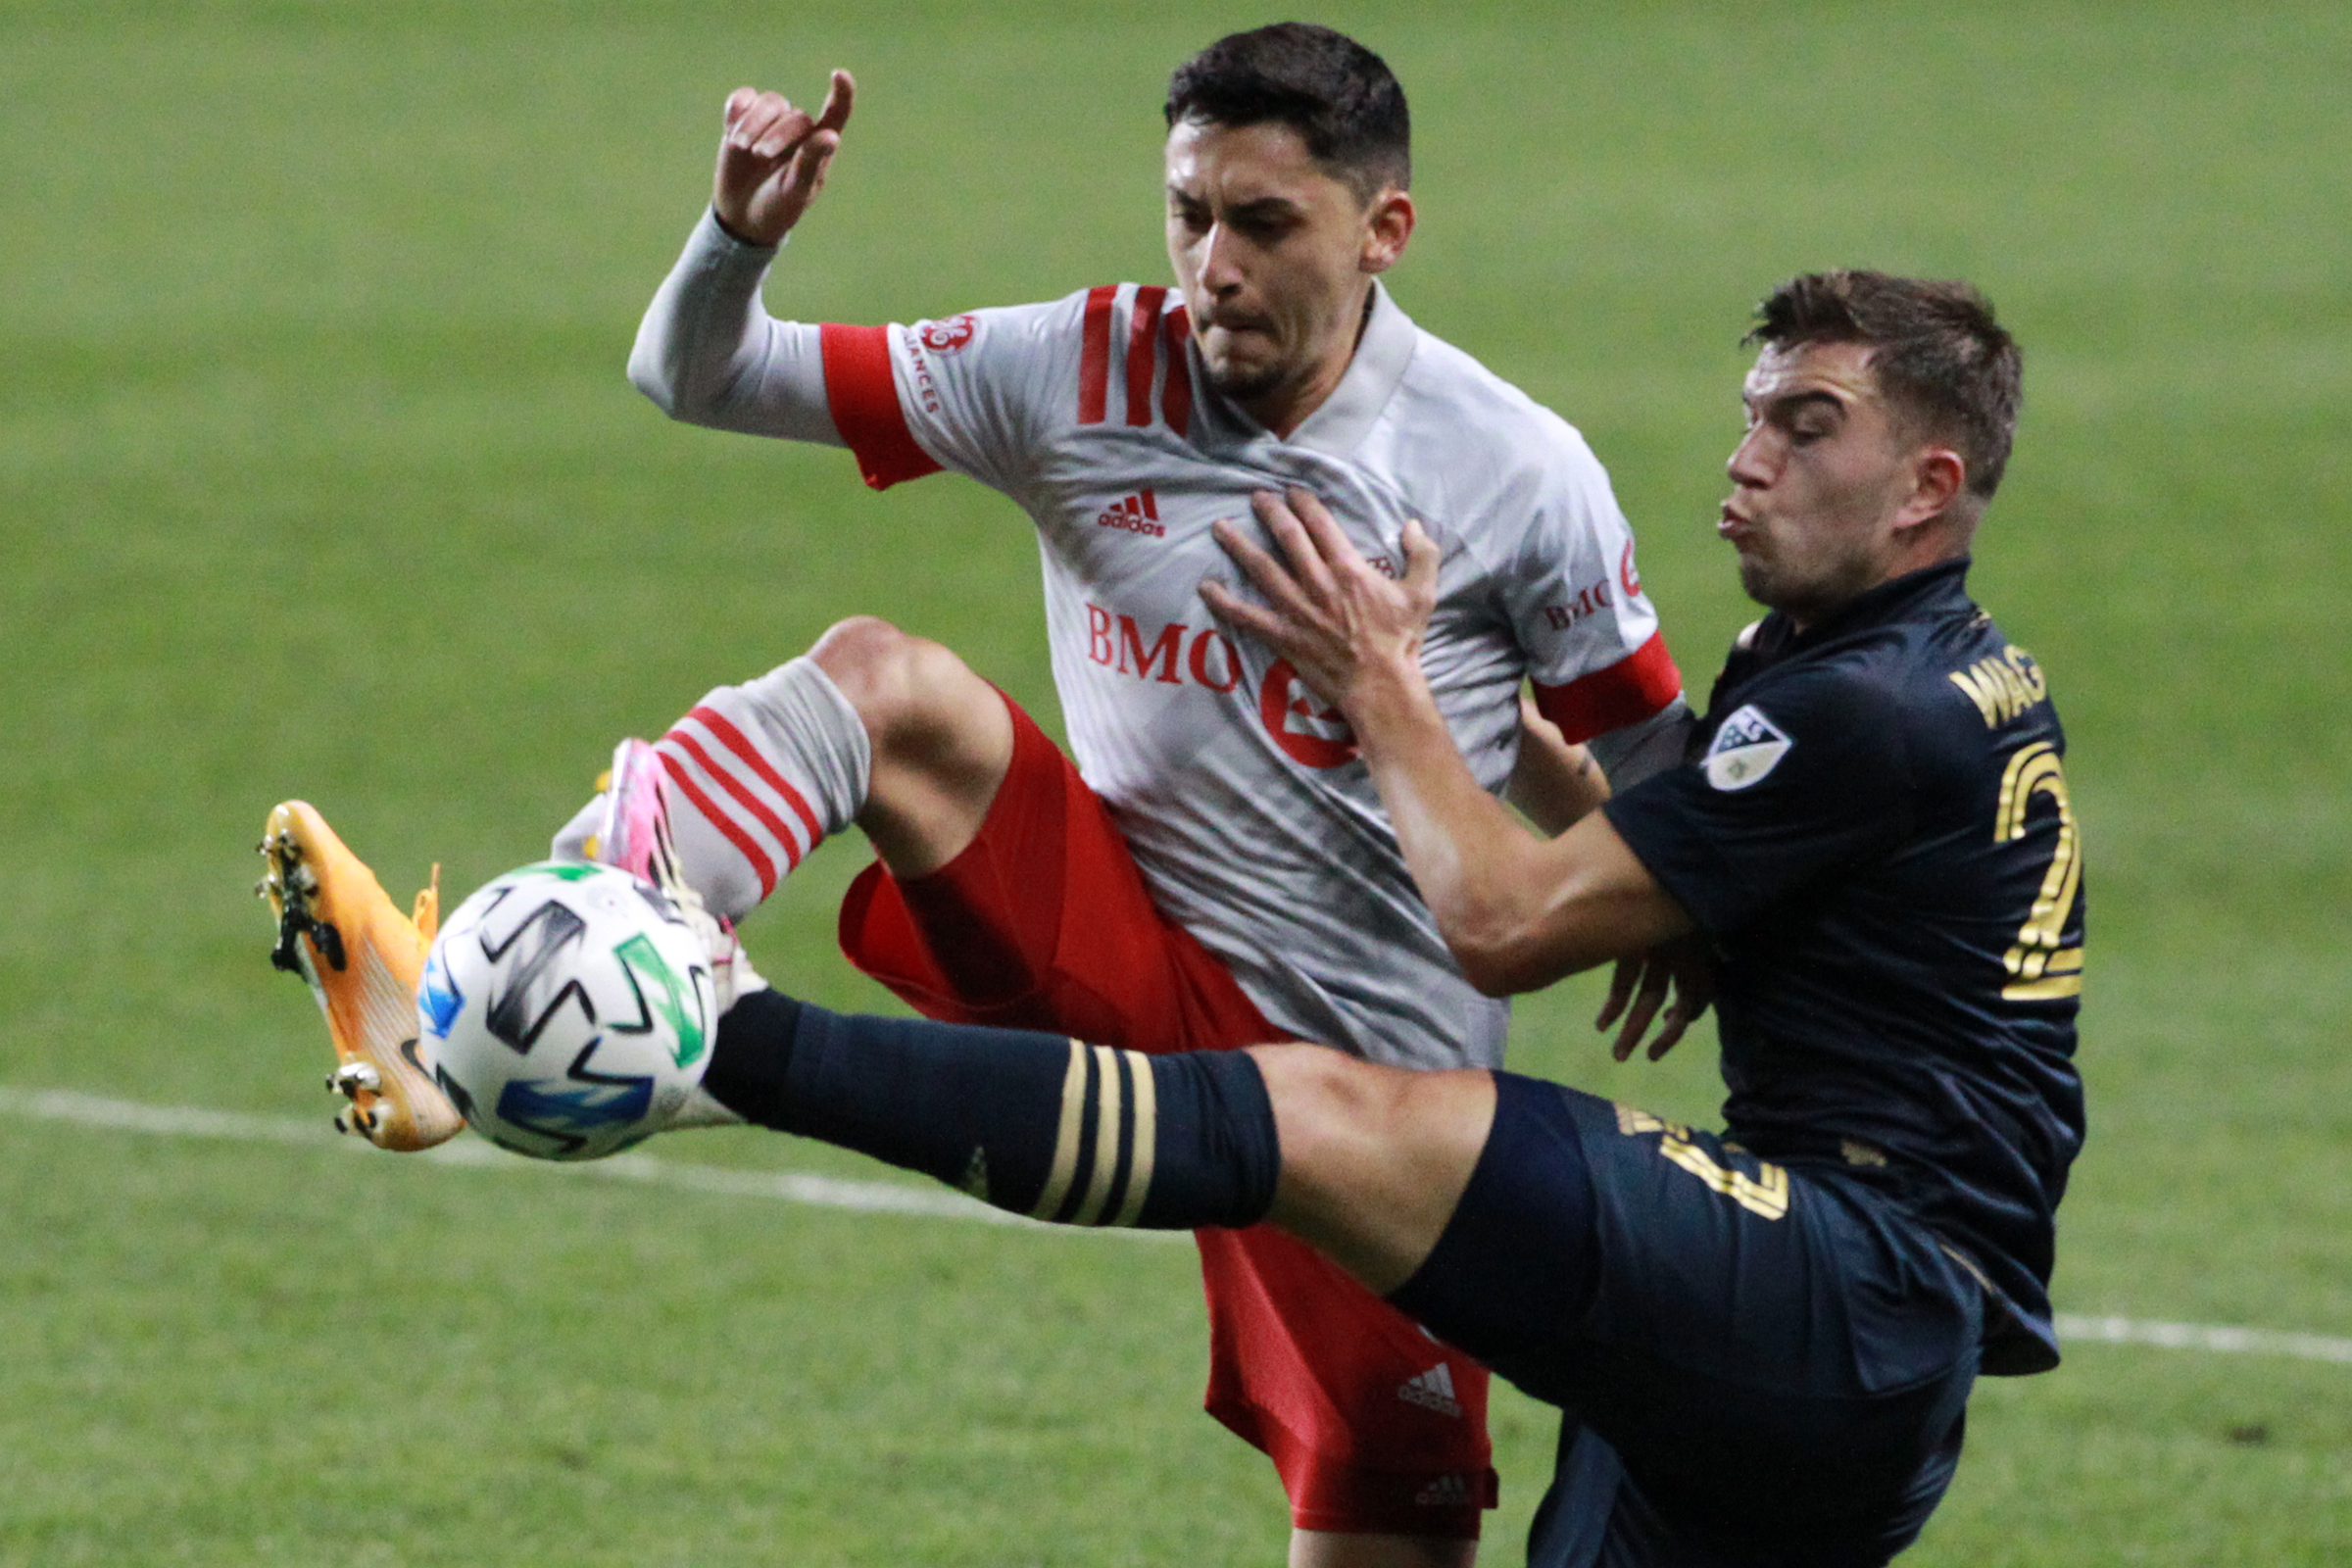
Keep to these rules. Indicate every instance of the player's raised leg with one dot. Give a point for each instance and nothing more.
(338, 930)
(940, 740)
(874, 726)
(1366, 1162)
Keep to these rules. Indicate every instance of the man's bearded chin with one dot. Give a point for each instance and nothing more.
(1241, 383)
(1807, 600)
(1243, 379)
(1755, 580)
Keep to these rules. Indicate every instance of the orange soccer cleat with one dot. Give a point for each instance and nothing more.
(362, 959)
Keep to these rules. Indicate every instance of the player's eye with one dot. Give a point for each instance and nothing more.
(1264, 227)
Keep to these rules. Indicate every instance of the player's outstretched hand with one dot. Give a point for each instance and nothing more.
(1328, 610)
(773, 157)
(1644, 980)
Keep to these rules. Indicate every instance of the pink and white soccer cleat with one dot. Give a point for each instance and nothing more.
(634, 830)
(633, 834)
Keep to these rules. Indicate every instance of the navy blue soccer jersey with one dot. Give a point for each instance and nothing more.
(1874, 831)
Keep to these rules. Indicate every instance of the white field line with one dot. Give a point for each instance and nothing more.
(791, 1186)
(889, 1198)
(2074, 1327)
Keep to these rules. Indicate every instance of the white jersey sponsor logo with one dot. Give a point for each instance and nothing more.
(1309, 730)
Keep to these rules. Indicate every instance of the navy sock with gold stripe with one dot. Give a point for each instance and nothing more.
(1038, 1124)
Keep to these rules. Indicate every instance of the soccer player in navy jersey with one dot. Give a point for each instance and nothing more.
(1762, 1341)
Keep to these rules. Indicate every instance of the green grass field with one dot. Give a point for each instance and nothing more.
(319, 476)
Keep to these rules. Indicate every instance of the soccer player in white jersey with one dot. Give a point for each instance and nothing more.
(1216, 870)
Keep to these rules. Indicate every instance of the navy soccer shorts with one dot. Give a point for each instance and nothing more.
(1758, 1365)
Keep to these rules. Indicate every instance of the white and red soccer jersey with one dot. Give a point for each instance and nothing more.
(1238, 790)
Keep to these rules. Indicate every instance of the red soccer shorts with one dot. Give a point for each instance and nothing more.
(1044, 922)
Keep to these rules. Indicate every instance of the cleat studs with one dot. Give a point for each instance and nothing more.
(294, 924)
(353, 1077)
(284, 954)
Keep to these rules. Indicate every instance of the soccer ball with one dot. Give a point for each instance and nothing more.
(567, 1010)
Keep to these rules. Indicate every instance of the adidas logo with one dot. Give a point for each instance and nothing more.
(1433, 1390)
(1136, 513)
(1449, 1490)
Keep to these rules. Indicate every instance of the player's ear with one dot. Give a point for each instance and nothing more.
(1387, 225)
(1938, 479)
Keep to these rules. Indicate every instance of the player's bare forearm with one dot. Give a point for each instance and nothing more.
(1555, 783)
(1518, 911)
(1476, 866)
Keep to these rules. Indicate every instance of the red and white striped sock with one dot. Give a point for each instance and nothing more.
(758, 775)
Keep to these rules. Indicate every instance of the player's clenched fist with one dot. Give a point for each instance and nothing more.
(773, 157)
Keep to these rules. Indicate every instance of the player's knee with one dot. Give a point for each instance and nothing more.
(908, 689)
(865, 655)
(1373, 1157)
(1326, 1103)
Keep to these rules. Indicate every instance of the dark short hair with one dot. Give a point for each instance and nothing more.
(1940, 356)
(1338, 95)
